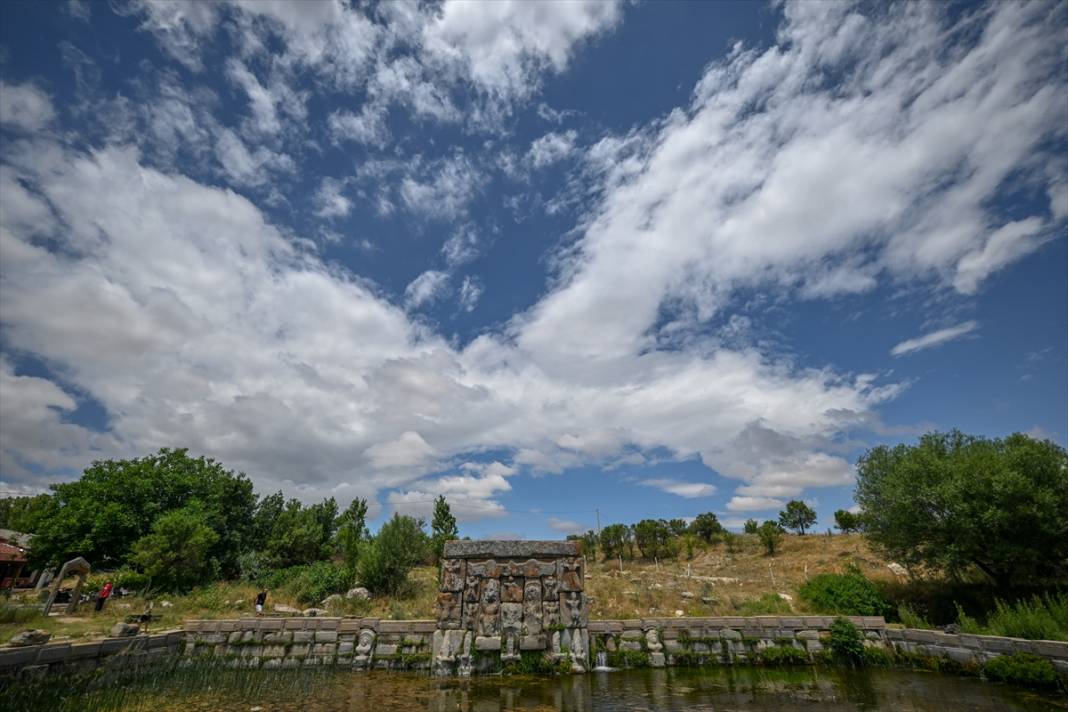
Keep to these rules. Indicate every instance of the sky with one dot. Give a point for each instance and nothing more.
(563, 263)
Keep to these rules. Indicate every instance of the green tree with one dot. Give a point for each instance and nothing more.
(751, 526)
(385, 562)
(23, 514)
(442, 526)
(706, 526)
(351, 533)
(117, 502)
(176, 554)
(677, 527)
(797, 516)
(302, 535)
(652, 536)
(847, 521)
(589, 543)
(614, 540)
(954, 501)
(770, 534)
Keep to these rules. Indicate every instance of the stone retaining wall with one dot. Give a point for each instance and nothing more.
(371, 643)
(111, 654)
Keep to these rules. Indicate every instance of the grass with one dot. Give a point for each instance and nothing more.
(1038, 618)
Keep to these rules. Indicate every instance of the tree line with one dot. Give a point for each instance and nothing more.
(182, 521)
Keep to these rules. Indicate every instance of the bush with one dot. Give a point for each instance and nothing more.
(176, 555)
(847, 641)
(770, 535)
(133, 581)
(783, 655)
(1022, 669)
(312, 583)
(767, 605)
(17, 614)
(911, 619)
(848, 594)
(1040, 618)
(386, 561)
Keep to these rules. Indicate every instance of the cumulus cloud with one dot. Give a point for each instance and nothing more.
(753, 504)
(428, 287)
(681, 488)
(551, 147)
(566, 526)
(934, 338)
(24, 106)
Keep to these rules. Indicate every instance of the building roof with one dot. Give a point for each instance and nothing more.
(11, 553)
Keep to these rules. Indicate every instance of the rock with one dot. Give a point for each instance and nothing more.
(312, 612)
(30, 637)
(332, 600)
(125, 630)
(707, 599)
(165, 604)
(786, 597)
(686, 594)
(286, 609)
(897, 569)
(359, 592)
(679, 614)
(952, 629)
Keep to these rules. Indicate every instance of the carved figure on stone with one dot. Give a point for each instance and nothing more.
(550, 614)
(489, 619)
(532, 591)
(452, 575)
(574, 610)
(551, 588)
(471, 589)
(365, 642)
(652, 641)
(570, 574)
(491, 591)
(449, 609)
(512, 616)
(511, 590)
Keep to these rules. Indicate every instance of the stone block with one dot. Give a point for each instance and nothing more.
(326, 636)
(278, 638)
(569, 571)
(453, 575)
(486, 643)
(299, 650)
(303, 636)
(385, 649)
(324, 649)
(657, 660)
(512, 616)
(808, 635)
(533, 642)
(511, 589)
(53, 653)
(728, 634)
(486, 549)
(346, 648)
(274, 651)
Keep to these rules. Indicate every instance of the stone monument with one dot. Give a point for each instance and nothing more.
(500, 599)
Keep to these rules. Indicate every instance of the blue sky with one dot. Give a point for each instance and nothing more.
(651, 259)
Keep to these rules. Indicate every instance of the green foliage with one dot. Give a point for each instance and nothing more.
(177, 554)
(874, 655)
(1022, 669)
(653, 537)
(117, 502)
(730, 540)
(351, 533)
(920, 506)
(310, 583)
(911, 619)
(534, 662)
(589, 543)
(797, 516)
(18, 614)
(847, 594)
(677, 527)
(300, 535)
(1038, 618)
(847, 521)
(767, 605)
(751, 526)
(770, 535)
(614, 540)
(442, 526)
(707, 527)
(628, 658)
(384, 564)
(783, 655)
(847, 641)
(126, 577)
(23, 514)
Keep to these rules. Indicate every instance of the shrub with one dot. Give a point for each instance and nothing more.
(176, 554)
(751, 526)
(847, 594)
(847, 641)
(1043, 618)
(770, 536)
(386, 561)
(312, 583)
(910, 618)
(17, 614)
(783, 655)
(1022, 669)
(877, 656)
(767, 605)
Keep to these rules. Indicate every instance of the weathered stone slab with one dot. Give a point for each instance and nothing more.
(486, 643)
(453, 574)
(509, 549)
(569, 571)
(533, 642)
(511, 590)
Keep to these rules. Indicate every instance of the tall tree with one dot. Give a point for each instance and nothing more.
(953, 501)
(846, 521)
(352, 532)
(706, 526)
(442, 527)
(797, 516)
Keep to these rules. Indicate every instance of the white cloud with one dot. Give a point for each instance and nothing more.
(934, 338)
(442, 189)
(470, 291)
(566, 526)
(24, 106)
(427, 288)
(367, 127)
(681, 488)
(248, 168)
(551, 147)
(330, 201)
(462, 246)
(753, 504)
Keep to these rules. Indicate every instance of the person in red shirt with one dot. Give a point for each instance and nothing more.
(102, 596)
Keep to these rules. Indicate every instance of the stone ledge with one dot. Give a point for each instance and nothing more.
(509, 549)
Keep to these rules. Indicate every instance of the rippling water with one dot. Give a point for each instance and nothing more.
(703, 689)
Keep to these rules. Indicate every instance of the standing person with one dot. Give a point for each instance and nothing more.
(102, 596)
(261, 601)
